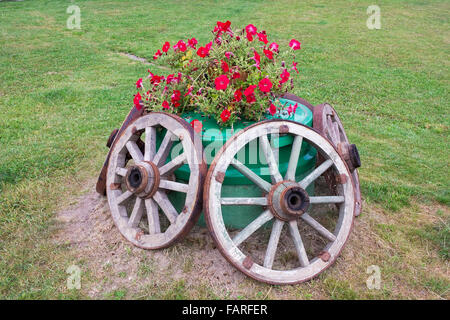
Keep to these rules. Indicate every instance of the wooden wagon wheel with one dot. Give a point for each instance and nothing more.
(327, 122)
(283, 201)
(138, 188)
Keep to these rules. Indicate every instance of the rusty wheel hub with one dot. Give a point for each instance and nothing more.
(142, 179)
(288, 201)
(350, 154)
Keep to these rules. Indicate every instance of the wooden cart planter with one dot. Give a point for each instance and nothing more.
(156, 197)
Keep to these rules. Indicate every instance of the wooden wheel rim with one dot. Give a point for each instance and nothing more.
(213, 202)
(336, 133)
(180, 222)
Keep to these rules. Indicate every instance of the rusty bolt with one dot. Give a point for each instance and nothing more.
(220, 177)
(325, 256)
(114, 186)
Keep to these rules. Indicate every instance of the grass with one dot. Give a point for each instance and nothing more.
(62, 91)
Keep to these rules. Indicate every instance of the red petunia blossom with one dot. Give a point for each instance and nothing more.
(202, 52)
(170, 78)
(165, 104)
(224, 66)
(273, 46)
(236, 75)
(181, 45)
(228, 54)
(268, 53)
(221, 82)
(272, 109)
(294, 44)
(250, 98)
(249, 91)
(139, 83)
(265, 85)
(157, 54)
(155, 79)
(166, 46)
(175, 98)
(238, 95)
(192, 43)
(251, 29)
(136, 101)
(263, 37)
(294, 66)
(197, 125)
(222, 26)
(284, 76)
(249, 37)
(225, 115)
(208, 46)
(257, 59)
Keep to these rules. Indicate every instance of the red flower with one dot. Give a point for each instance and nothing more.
(291, 109)
(225, 67)
(272, 109)
(223, 26)
(136, 101)
(249, 91)
(157, 54)
(189, 93)
(139, 83)
(263, 37)
(192, 43)
(284, 76)
(238, 95)
(228, 54)
(166, 46)
(273, 46)
(225, 115)
(250, 98)
(221, 82)
(197, 125)
(294, 44)
(236, 75)
(165, 104)
(294, 66)
(175, 98)
(251, 29)
(181, 45)
(208, 46)
(155, 78)
(257, 58)
(249, 37)
(265, 85)
(268, 53)
(202, 52)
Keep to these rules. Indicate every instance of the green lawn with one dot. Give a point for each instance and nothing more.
(62, 91)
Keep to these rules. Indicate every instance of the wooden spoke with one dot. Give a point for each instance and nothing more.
(301, 252)
(152, 216)
(260, 182)
(273, 243)
(137, 212)
(331, 199)
(270, 157)
(252, 227)
(121, 172)
(134, 151)
(164, 149)
(150, 143)
(173, 165)
(174, 186)
(315, 174)
(244, 201)
(293, 160)
(166, 206)
(123, 197)
(318, 227)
